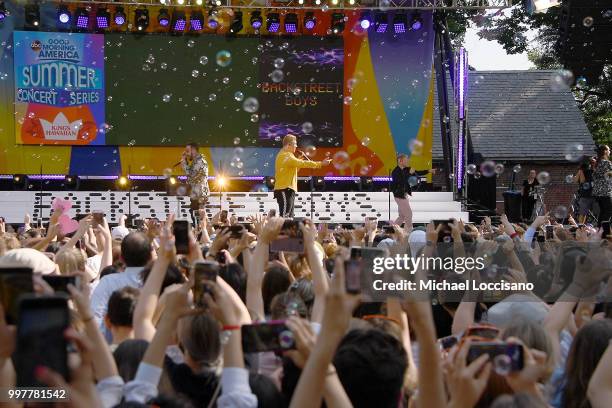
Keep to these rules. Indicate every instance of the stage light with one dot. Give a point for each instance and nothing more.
(141, 19)
(291, 23)
(334, 2)
(269, 182)
(221, 181)
(381, 22)
(352, 2)
(171, 185)
(310, 20)
(199, 2)
(102, 18)
(122, 183)
(3, 12)
(256, 20)
(32, 16)
(337, 24)
(63, 14)
(180, 2)
(163, 18)
(119, 16)
(179, 21)
(81, 18)
(318, 2)
(196, 21)
(20, 182)
(272, 22)
(417, 22)
(71, 182)
(365, 20)
(366, 183)
(400, 21)
(236, 25)
(300, 1)
(212, 23)
(318, 183)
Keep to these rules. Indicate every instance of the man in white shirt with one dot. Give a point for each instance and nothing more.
(136, 253)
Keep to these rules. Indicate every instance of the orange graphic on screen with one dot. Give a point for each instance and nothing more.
(53, 125)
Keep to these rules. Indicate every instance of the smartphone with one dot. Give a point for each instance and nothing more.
(236, 230)
(267, 336)
(272, 213)
(180, 229)
(352, 275)
(223, 216)
(367, 253)
(203, 271)
(289, 239)
(14, 282)
(139, 223)
(540, 237)
(220, 257)
(98, 217)
(444, 235)
(348, 227)
(40, 337)
(504, 356)
(79, 217)
(59, 283)
(605, 228)
(330, 263)
(549, 229)
(388, 229)
(447, 342)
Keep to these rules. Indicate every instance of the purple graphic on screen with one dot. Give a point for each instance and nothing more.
(274, 132)
(322, 56)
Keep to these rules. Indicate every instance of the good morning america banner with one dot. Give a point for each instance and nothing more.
(59, 88)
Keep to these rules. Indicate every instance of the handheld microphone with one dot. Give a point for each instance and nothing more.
(177, 164)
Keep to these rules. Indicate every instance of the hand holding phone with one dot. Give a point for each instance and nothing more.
(506, 357)
(180, 229)
(14, 283)
(267, 336)
(203, 271)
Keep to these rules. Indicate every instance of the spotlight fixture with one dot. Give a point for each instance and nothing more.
(71, 182)
(122, 183)
(400, 23)
(63, 15)
(119, 16)
(179, 21)
(163, 18)
(196, 21)
(366, 183)
(417, 22)
(291, 23)
(171, 185)
(3, 12)
(141, 19)
(212, 23)
(334, 2)
(381, 22)
(236, 25)
(272, 22)
(337, 25)
(221, 181)
(269, 182)
(32, 16)
(20, 182)
(102, 18)
(81, 18)
(198, 2)
(310, 20)
(256, 20)
(318, 183)
(365, 20)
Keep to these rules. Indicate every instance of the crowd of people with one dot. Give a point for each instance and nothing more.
(147, 337)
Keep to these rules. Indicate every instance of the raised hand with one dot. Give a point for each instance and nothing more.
(466, 383)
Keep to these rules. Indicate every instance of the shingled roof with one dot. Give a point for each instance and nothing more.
(520, 116)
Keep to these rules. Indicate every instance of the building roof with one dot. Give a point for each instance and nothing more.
(519, 116)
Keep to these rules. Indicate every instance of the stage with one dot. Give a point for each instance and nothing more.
(332, 207)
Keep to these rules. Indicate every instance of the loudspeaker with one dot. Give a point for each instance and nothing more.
(512, 205)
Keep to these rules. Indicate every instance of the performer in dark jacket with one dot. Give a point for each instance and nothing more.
(401, 189)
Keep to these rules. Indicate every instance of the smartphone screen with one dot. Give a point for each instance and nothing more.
(388, 229)
(444, 235)
(549, 231)
(203, 271)
(60, 283)
(352, 275)
(223, 216)
(504, 356)
(290, 238)
(447, 342)
(98, 217)
(14, 282)
(40, 337)
(268, 336)
(236, 230)
(180, 228)
(605, 227)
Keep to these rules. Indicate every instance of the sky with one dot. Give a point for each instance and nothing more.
(489, 55)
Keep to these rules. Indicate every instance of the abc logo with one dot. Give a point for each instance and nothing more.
(36, 45)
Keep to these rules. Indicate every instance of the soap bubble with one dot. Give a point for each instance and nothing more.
(236, 140)
(239, 96)
(560, 212)
(348, 100)
(517, 168)
(351, 83)
(224, 58)
(416, 147)
(499, 168)
(543, 177)
(413, 181)
(307, 127)
(254, 117)
(195, 73)
(561, 80)
(477, 175)
(341, 160)
(471, 169)
(310, 150)
(365, 141)
(488, 168)
(212, 97)
(190, 43)
(167, 172)
(163, 65)
(569, 179)
(588, 21)
(203, 60)
(150, 59)
(166, 97)
(394, 105)
(250, 104)
(574, 152)
(277, 75)
(279, 63)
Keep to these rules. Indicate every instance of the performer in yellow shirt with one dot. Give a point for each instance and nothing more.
(286, 168)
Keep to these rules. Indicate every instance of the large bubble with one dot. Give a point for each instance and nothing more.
(166, 97)
(250, 104)
(341, 160)
(574, 152)
(543, 177)
(224, 58)
(471, 169)
(203, 60)
(488, 168)
(517, 168)
(277, 75)
(279, 63)
(307, 127)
